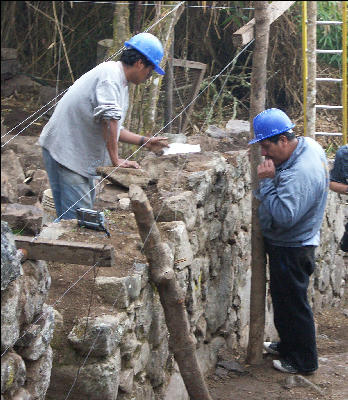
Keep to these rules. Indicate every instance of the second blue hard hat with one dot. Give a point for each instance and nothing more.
(150, 46)
(269, 123)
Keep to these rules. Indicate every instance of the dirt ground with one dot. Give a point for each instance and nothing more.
(74, 300)
(264, 382)
(253, 382)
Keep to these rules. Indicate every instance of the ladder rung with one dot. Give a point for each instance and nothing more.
(328, 133)
(329, 51)
(329, 22)
(328, 79)
(322, 106)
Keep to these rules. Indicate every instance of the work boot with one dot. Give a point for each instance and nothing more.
(284, 366)
(272, 347)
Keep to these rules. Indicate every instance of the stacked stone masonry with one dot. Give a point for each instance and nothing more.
(205, 217)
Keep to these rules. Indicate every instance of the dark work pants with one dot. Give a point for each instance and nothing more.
(290, 268)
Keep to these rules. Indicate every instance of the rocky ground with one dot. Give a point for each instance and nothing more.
(248, 382)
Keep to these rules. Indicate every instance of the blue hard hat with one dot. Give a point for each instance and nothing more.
(150, 46)
(269, 123)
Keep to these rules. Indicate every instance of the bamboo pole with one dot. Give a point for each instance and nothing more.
(62, 40)
(304, 64)
(312, 68)
(344, 72)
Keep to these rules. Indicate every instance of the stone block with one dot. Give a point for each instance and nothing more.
(97, 380)
(113, 290)
(37, 337)
(99, 336)
(11, 267)
(39, 375)
(24, 218)
(175, 232)
(13, 373)
(181, 207)
(10, 313)
(36, 283)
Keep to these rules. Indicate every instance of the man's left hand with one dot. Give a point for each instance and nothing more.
(156, 144)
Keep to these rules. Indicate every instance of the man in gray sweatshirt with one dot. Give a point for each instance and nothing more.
(87, 123)
(293, 189)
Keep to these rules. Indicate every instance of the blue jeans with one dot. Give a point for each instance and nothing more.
(70, 190)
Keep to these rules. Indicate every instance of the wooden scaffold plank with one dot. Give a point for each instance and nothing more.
(66, 252)
(245, 34)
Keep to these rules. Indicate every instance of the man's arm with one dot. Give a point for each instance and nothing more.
(110, 137)
(339, 187)
(154, 144)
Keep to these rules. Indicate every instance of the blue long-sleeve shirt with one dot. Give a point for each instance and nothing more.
(293, 202)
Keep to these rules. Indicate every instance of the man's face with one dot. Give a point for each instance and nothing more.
(277, 152)
(142, 73)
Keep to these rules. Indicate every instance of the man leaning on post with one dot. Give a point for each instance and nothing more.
(293, 189)
(85, 128)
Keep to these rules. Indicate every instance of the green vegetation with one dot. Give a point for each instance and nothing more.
(329, 37)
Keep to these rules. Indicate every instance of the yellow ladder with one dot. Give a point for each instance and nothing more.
(344, 80)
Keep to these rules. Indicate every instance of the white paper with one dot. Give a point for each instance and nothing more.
(176, 148)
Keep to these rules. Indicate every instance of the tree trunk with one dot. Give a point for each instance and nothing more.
(312, 67)
(258, 100)
(165, 32)
(160, 259)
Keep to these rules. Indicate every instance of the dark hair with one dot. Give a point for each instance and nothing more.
(131, 56)
(290, 135)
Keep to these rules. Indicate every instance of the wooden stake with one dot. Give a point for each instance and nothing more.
(181, 342)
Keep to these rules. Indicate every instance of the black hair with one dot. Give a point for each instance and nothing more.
(290, 135)
(131, 56)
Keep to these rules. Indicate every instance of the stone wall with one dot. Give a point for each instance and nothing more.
(203, 203)
(27, 324)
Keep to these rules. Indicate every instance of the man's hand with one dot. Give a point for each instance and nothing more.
(126, 164)
(156, 144)
(266, 170)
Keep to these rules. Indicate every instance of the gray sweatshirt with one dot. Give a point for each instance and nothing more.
(293, 202)
(73, 135)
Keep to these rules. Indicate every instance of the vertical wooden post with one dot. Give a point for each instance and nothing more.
(258, 101)
(312, 67)
(168, 110)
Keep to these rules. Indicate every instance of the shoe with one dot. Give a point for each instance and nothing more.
(284, 366)
(271, 347)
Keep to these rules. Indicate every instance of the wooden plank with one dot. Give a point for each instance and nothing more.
(245, 34)
(188, 64)
(67, 252)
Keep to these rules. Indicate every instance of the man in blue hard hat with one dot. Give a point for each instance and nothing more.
(293, 188)
(87, 123)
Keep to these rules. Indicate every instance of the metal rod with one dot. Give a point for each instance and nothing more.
(328, 107)
(329, 51)
(344, 72)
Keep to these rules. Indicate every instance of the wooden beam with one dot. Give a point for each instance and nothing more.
(245, 34)
(67, 252)
(188, 64)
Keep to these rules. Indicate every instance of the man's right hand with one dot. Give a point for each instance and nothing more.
(126, 164)
(266, 169)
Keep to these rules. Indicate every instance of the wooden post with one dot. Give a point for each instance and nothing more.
(66, 252)
(160, 259)
(312, 67)
(168, 110)
(258, 100)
